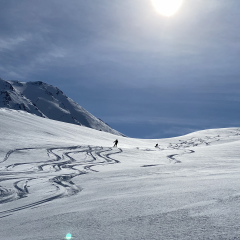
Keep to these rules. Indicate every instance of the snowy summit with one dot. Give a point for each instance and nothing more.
(48, 101)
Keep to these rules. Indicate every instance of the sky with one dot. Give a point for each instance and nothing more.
(146, 75)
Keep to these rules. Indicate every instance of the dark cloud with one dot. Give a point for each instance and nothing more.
(121, 60)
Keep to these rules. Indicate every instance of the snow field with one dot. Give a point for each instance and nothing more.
(58, 178)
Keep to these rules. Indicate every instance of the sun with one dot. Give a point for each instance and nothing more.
(167, 7)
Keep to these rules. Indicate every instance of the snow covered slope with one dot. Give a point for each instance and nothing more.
(58, 178)
(12, 98)
(48, 101)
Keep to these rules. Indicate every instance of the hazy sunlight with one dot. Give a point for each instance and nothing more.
(167, 7)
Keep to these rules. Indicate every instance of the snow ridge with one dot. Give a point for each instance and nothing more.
(47, 101)
(12, 98)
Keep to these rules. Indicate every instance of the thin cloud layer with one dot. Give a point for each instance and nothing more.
(116, 52)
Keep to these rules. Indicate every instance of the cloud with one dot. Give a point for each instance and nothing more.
(172, 131)
(150, 120)
(175, 71)
(127, 37)
(12, 43)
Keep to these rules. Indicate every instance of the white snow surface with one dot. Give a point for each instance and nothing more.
(58, 178)
(48, 101)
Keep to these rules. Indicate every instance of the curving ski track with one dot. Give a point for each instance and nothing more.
(57, 173)
(184, 145)
(57, 170)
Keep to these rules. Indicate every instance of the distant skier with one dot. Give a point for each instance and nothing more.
(115, 143)
(156, 145)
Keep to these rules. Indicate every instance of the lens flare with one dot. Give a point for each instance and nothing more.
(167, 7)
(68, 236)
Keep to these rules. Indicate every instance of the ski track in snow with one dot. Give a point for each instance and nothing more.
(184, 146)
(65, 163)
(193, 142)
(57, 172)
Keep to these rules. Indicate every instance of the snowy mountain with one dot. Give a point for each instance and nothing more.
(64, 181)
(48, 101)
(12, 98)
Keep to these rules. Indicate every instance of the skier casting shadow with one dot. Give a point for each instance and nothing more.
(115, 143)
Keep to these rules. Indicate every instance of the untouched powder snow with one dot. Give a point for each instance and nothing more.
(59, 180)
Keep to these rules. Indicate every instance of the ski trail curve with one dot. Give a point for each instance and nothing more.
(194, 142)
(54, 175)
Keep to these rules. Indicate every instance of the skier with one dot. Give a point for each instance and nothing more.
(115, 143)
(156, 145)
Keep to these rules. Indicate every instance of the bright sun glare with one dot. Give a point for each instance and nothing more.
(167, 7)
